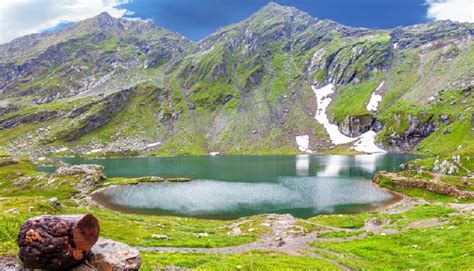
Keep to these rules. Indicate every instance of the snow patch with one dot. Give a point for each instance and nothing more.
(380, 86)
(373, 104)
(375, 99)
(61, 150)
(151, 145)
(366, 143)
(303, 143)
(94, 151)
(323, 100)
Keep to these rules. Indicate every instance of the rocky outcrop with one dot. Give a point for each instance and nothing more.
(156, 179)
(84, 57)
(354, 126)
(91, 173)
(109, 107)
(8, 108)
(405, 141)
(417, 35)
(5, 161)
(80, 110)
(343, 66)
(36, 117)
(157, 57)
(432, 185)
(453, 165)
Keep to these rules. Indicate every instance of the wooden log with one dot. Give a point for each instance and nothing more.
(57, 242)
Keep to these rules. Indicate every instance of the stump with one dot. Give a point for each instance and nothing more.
(57, 242)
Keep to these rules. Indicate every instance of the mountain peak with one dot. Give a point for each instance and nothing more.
(104, 19)
(104, 15)
(272, 5)
(275, 9)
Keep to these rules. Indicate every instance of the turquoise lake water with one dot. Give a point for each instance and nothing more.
(224, 187)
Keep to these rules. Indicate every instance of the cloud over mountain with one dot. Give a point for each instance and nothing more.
(22, 17)
(454, 10)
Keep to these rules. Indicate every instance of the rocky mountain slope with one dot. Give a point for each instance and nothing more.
(107, 86)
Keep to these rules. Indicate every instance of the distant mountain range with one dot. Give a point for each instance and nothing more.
(108, 86)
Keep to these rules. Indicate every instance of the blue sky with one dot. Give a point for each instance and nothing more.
(198, 18)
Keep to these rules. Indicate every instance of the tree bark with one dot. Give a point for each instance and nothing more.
(57, 242)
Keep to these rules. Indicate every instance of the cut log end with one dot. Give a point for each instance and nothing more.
(57, 242)
(86, 232)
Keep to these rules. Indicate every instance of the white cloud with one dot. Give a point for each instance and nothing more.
(22, 17)
(454, 10)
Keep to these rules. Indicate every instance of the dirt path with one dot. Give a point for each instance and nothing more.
(285, 236)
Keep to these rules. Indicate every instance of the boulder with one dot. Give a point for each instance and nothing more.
(13, 211)
(235, 232)
(55, 203)
(10, 264)
(160, 236)
(202, 234)
(110, 255)
(92, 173)
(23, 181)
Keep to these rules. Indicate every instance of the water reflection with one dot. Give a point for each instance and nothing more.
(247, 168)
(357, 165)
(334, 165)
(369, 162)
(234, 186)
(302, 165)
(301, 196)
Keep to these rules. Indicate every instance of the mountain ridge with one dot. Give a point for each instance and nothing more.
(246, 88)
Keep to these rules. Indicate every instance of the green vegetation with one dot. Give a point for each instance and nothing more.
(426, 234)
(248, 261)
(352, 221)
(351, 100)
(453, 138)
(19, 185)
(137, 119)
(445, 247)
(280, 82)
(246, 90)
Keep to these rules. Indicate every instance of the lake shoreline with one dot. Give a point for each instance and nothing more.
(229, 187)
(97, 198)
